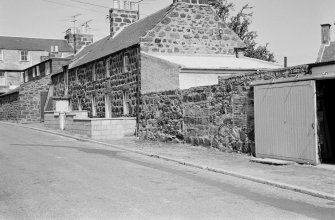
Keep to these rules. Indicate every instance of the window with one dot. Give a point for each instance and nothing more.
(2, 79)
(94, 76)
(1, 54)
(26, 76)
(47, 68)
(126, 103)
(24, 55)
(22, 77)
(38, 70)
(34, 72)
(80, 107)
(108, 106)
(94, 106)
(126, 63)
(108, 74)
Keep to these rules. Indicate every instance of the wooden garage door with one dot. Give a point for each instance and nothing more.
(285, 121)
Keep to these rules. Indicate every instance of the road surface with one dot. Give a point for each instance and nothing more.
(44, 176)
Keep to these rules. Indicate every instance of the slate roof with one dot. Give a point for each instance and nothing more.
(128, 37)
(11, 91)
(33, 44)
(216, 62)
(327, 53)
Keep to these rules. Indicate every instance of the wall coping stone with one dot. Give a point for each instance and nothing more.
(104, 119)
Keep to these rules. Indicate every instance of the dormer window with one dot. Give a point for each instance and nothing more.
(1, 55)
(24, 55)
(54, 49)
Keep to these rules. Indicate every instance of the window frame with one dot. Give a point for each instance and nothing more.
(94, 106)
(126, 62)
(126, 103)
(47, 68)
(108, 106)
(94, 74)
(24, 55)
(107, 66)
(38, 73)
(26, 76)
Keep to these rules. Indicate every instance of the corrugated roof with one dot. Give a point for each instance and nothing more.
(128, 37)
(216, 62)
(33, 44)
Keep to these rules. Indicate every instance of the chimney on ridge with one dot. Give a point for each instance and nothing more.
(122, 14)
(325, 34)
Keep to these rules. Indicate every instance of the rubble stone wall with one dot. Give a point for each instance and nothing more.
(120, 18)
(24, 106)
(191, 29)
(9, 107)
(219, 116)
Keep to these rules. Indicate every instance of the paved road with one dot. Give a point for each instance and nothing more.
(50, 177)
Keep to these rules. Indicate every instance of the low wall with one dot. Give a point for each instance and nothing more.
(96, 128)
(219, 116)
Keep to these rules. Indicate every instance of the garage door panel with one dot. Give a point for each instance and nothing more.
(285, 118)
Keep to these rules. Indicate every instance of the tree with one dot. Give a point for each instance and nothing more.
(240, 23)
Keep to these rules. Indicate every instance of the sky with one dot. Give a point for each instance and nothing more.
(291, 27)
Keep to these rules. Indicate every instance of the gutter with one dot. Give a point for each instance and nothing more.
(292, 79)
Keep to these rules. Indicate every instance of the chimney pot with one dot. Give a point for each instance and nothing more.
(325, 34)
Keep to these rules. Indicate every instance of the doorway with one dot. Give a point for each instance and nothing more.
(326, 120)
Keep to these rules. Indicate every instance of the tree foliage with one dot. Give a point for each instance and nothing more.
(240, 23)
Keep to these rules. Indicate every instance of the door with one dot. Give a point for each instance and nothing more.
(44, 96)
(285, 121)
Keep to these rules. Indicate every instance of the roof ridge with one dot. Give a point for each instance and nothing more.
(34, 38)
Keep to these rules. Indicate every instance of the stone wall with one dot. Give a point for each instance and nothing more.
(82, 39)
(9, 107)
(120, 18)
(219, 116)
(24, 105)
(191, 29)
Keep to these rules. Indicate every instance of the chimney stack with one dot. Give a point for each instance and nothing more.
(122, 14)
(325, 34)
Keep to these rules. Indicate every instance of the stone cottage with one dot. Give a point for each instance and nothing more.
(158, 53)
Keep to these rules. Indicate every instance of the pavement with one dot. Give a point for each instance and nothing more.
(317, 181)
